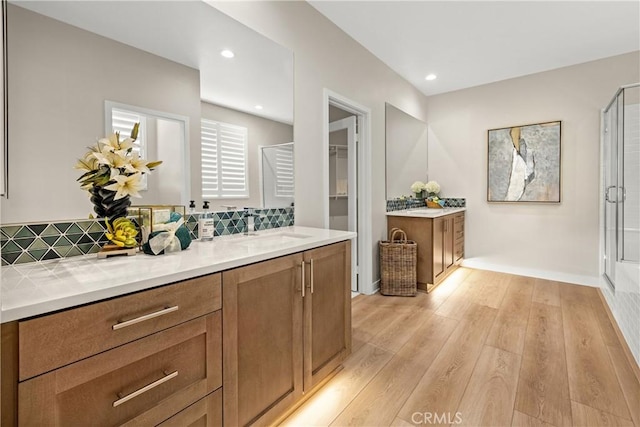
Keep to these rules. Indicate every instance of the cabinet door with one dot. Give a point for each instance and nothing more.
(327, 310)
(438, 248)
(262, 340)
(448, 242)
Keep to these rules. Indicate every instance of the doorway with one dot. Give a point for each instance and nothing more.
(346, 181)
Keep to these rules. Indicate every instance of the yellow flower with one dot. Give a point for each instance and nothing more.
(126, 186)
(122, 232)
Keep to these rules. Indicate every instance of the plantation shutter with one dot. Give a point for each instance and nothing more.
(224, 160)
(284, 172)
(122, 121)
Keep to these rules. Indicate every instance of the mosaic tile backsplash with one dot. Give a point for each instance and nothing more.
(22, 243)
(411, 203)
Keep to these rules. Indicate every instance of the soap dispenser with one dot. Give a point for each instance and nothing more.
(192, 207)
(205, 223)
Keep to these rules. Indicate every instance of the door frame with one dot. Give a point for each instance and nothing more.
(350, 124)
(365, 248)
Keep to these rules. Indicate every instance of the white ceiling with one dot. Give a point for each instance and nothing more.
(193, 33)
(470, 43)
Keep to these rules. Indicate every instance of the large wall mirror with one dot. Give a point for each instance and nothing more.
(68, 61)
(406, 151)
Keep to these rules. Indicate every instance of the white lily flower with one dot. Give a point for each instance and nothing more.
(126, 186)
(136, 164)
(126, 143)
(113, 142)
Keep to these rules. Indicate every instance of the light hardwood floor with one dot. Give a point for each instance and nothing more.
(483, 349)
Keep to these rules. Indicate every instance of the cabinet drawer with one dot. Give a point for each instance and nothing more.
(78, 333)
(141, 383)
(458, 251)
(458, 218)
(206, 412)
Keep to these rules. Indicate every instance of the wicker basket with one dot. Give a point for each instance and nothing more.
(398, 259)
(433, 205)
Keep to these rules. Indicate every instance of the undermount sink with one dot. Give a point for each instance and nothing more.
(269, 240)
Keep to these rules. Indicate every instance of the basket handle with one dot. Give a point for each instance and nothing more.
(391, 232)
(394, 231)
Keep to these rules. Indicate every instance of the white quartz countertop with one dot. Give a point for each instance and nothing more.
(426, 212)
(42, 287)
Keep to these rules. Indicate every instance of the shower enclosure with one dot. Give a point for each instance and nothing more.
(276, 175)
(621, 188)
(621, 211)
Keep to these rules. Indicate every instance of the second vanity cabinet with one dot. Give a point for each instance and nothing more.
(440, 244)
(287, 326)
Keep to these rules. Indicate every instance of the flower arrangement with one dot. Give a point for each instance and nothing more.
(432, 188)
(417, 188)
(113, 174)
(112, 165)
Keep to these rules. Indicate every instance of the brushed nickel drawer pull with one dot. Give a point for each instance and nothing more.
(311, 263)
(302, 265)
(146, 388)
(167, 310)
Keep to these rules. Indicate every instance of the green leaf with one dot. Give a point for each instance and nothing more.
(155, 164)
(134, 131)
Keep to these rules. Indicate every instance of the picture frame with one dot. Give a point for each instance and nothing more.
(524, 163)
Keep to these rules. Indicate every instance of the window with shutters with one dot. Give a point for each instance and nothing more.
(224, 160)
(122, 121)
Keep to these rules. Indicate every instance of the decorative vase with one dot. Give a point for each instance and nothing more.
(105, 206)
(420, 195)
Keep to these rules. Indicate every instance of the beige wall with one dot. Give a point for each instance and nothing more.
(558, 240)
(325, 57)
(59, 77)
(261, 131)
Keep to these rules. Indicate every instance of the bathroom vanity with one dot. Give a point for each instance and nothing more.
(230, 332)
(439, 234)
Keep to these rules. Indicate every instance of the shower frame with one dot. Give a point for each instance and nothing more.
(612, 185)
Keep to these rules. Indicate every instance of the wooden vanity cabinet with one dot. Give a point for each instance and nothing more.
(327, 311)
(167, 356)
(287, 325)
(440, 245)
(262, 340)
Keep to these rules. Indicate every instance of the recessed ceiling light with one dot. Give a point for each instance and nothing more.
(431, 77)
(258, 107)
(227, 53)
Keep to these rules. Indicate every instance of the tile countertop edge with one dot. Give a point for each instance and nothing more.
(426, 212)
(22, 308)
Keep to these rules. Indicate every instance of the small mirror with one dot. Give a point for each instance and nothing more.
(406, 151)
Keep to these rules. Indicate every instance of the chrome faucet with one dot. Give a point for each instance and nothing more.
(250, 215)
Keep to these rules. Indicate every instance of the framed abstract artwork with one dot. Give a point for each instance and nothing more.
(524, 163)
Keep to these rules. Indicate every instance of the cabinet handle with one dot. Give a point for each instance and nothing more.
(302, 265)
(311, 263)
(167, 310)
(144, 389)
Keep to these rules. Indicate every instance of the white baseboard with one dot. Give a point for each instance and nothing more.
(375, 287)
(557, 276)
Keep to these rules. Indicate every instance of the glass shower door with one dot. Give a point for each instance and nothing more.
(610, 164)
